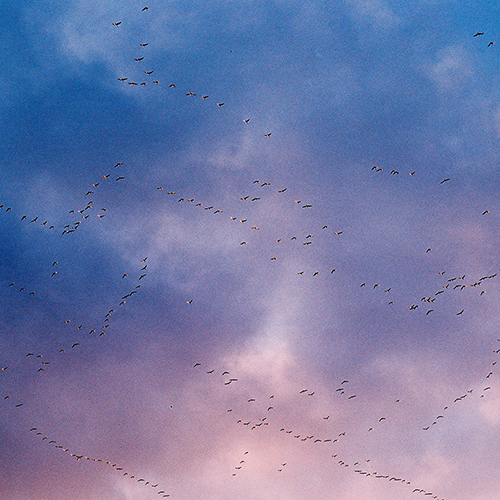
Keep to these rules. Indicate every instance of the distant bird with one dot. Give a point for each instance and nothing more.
(444, 180)
(486, 212)
(479, 33)
(247, 120)
(117, 24)
(268, 135)
(139, 59)
(491, 43)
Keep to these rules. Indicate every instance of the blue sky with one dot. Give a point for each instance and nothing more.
(264, 264)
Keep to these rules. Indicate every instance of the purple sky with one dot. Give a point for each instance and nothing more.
(249, 250)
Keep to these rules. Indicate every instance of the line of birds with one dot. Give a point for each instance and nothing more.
(83, 457)
(263, 419)
(43, 359)
(72, 226)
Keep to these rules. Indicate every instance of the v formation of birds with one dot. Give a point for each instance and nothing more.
(249, 229)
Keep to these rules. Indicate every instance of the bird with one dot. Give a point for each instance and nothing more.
(491, 43)
(117, 24)
(479, 33)
(139, 59)
(444, 180)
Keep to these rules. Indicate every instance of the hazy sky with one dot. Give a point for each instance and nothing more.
(249, 250)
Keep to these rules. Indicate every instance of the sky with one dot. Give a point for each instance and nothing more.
(249, 250)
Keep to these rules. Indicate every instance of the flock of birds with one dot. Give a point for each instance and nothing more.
(258, 414)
